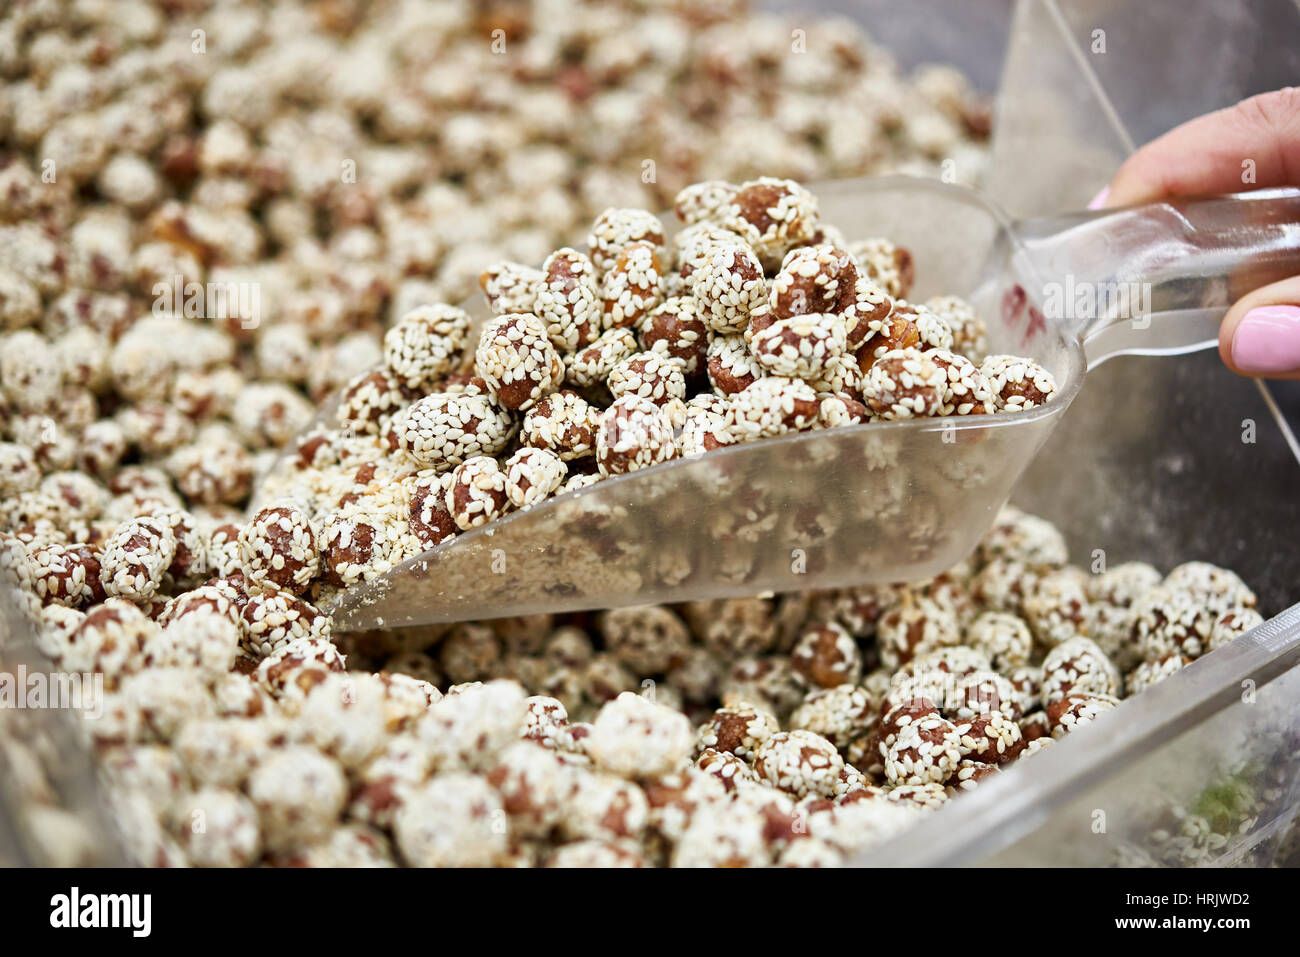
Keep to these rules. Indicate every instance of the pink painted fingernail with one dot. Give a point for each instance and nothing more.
(1267, 341)
(1099, 200)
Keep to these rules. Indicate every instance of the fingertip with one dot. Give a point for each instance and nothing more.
(1099, 201)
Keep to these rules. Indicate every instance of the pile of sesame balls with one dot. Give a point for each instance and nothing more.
(756, 319)
(361, 165)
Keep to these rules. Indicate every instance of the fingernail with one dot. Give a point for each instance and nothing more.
(1267, 341)
(1099, 200)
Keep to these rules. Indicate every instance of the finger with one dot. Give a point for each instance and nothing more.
(1260, 336)
(1216, 152)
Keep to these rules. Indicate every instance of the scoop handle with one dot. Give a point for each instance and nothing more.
(1157, 279)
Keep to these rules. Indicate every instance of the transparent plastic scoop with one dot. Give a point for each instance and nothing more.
(877, 502)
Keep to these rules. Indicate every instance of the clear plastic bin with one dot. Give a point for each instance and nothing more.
(1165, 460)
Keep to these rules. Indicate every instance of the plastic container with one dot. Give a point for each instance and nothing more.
(1165, 461)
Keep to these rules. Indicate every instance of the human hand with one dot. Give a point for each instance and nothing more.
(1253, 145)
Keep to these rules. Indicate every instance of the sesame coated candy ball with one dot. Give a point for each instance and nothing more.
(204, 639)
(517, 361)
(931, 330)
(634, 434)
(1149, 673)
(591, 366)
(895, 330)
(827, 656)
(444, 429)
(1027, 683)
(111, 639)
(546, 722)
(1023, 538)
(1169, 620)
(274, 617)
(532, 475)
(648, 375)
(730, 770)
(814, 279)
(904, 383)
(476, 493)
(511, 287)
(425, 344)
(1057, 607)
(927, 751)
(867, 315)
(1075, 710)
(604, 807)
(568, 301)
(731, 366)
(966, 391)
(649, 639)
(355, 545)
(636, 738)
(616, 229)
(428, 517)
(1005, 638)
(66, 574)
(800, 763)
(723, 836)
(674, 329)
(1017, 383)
(135, 558)
(532, 783)
(888, 265)
(837, 411)
(772, 215)
(801, 347)
(956, 660)
(901, 712)
(913, 627)
(728, 287)
(740, 729)
(992, 737)
(968, 332)
(1077, 664)
(703, 201)
(18, 469)
(564, 423)
(1232, 625)
(472, 723)
(368, 400)
(589, 854)
(299, 794)
(278, 546)
(696, 244)
(345, 717)
(1123, 584)
(291, 671)
(229, 835)
(969, 774)
(978, 693)
(1218, 588)
(633, 286)
(841, 714)
(770, 406)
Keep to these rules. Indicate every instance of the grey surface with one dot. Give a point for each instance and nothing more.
(1149, 463)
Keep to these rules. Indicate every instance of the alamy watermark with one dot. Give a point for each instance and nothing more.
(209, 300)
(1116, 301)
(70, 690)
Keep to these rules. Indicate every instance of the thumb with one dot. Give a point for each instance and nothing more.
(1260, 335)
(1212, 153)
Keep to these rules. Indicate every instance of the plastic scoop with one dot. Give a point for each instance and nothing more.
(879, 502)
